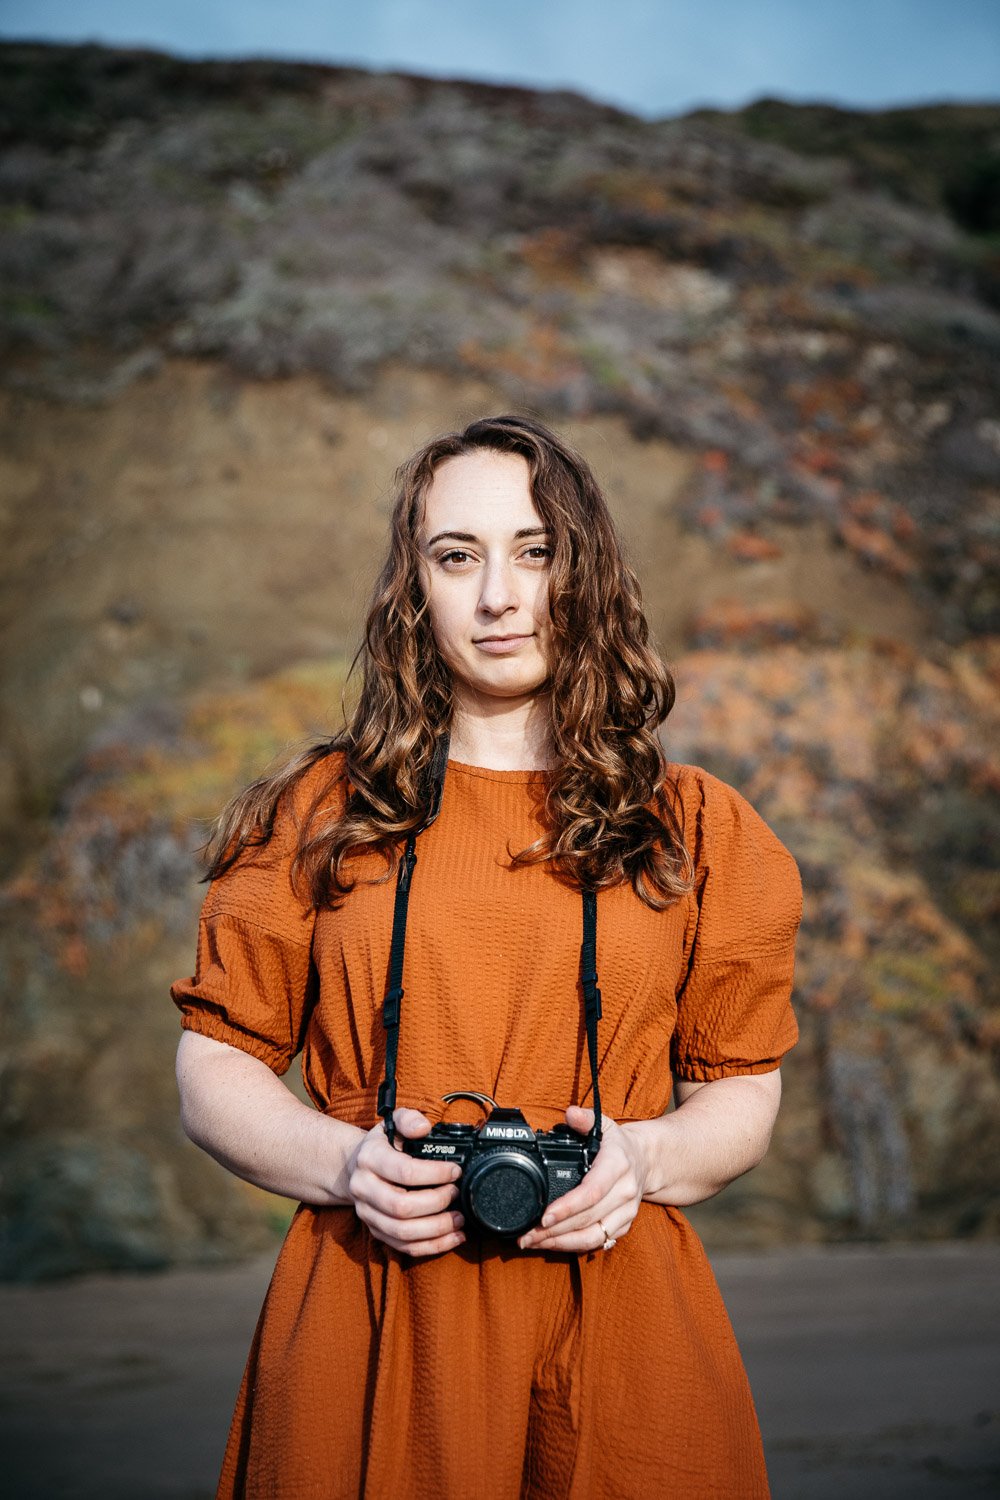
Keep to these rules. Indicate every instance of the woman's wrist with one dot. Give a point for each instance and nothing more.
(649, 1140)
(678, 1168)
(714, 1135)
(338, 1143)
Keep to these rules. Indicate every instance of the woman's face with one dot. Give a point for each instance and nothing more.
(486, 559)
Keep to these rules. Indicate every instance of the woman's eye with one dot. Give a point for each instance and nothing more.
(457, 557)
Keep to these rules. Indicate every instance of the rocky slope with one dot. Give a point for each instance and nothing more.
(233, 297)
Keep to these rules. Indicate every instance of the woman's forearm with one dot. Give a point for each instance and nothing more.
(235, 1108)
(720, 1130)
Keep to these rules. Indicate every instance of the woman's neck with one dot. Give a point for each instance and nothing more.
(501, 735)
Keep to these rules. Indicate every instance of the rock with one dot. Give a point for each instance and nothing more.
(891, 1116)
(96, 1173)
(732, 623)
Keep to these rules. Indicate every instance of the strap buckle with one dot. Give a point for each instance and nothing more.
(391, 1007)
(591, 997)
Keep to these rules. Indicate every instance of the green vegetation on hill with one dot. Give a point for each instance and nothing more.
(943, 156)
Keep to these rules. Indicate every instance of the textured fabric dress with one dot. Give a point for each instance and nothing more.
(489, 1373)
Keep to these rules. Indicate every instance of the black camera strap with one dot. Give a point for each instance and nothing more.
(591, 1002)
(392, 1004)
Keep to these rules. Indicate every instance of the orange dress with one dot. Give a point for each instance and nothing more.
(489, 1373)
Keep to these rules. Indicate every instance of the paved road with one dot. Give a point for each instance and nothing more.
(876, 1373)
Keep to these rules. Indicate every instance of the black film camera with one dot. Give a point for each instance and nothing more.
(510, 1174)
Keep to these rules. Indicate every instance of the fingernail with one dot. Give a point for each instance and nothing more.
(457, 1220)
(547, 1221)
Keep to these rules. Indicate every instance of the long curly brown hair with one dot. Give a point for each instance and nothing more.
(610, 807)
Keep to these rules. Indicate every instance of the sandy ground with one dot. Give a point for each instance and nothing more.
(876, 1373)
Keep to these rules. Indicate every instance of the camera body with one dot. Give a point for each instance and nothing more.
(510, 1174)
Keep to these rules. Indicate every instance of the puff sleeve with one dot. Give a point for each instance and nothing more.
(734, 1013)
(255, 982)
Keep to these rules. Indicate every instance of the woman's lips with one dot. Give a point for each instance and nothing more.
(503, 645)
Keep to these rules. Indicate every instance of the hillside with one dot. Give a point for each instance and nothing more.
(233, 296)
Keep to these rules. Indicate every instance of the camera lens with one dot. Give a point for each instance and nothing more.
(506, 1191)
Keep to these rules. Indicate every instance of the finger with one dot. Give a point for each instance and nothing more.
(618, 1200)
(613, 1225)
(554, 1238)
(584, 1198)
(376, 1155)
(621, 1197)
(435, 1245)
(580, 1242)
(432, 1247)
(409, 1231)
(401, 1233)
(411, 1123)
(401, 1203)
(620, 1191)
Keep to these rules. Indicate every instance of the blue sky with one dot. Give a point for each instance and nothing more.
(651, 56)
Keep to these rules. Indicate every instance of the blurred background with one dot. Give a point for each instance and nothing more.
(747, 259)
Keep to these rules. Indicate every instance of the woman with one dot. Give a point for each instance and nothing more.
(401, 1351)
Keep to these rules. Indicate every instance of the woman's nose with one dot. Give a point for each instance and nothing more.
(498, 594)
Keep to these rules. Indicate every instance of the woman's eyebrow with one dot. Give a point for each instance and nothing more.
(467, 536)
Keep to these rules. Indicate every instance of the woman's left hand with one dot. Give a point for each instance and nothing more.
(604, 1204)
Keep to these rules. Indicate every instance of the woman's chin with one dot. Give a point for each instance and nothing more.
(506, 684)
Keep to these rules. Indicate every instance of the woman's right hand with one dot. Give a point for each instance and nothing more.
(405, 1202)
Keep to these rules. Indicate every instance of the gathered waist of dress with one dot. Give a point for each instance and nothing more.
(359, 1107)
